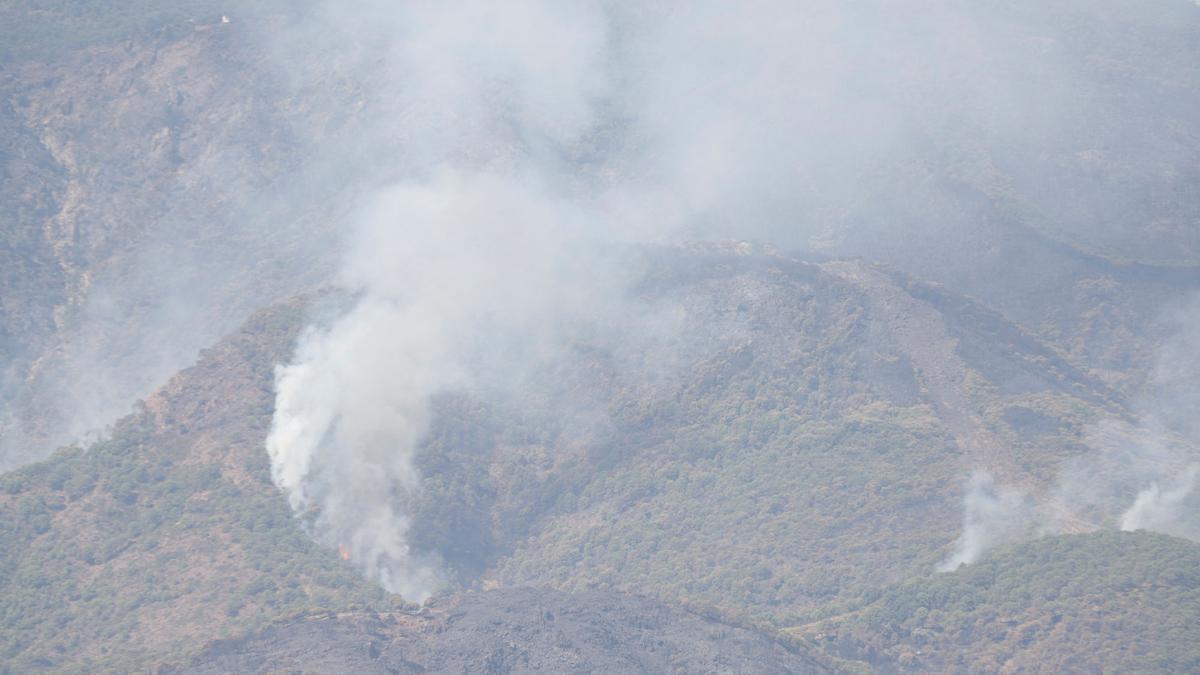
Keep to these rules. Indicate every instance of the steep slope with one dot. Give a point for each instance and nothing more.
(150, 207)
(517, 630)
(165, 174)
(168, 534)
(789, 452)
(1110, 601)
(792, 449)
(1063, 201)
(802, 451)
(148, 545)
(808, 454)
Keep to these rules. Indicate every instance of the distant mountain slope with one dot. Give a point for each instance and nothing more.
(48, 29)
(150, 205)
(163, 178)
(801, 452)
(986, 291)
(1103, 602)
(807, 449)
(168, 534)
(516, 630)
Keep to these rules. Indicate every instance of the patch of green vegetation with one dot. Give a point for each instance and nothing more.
(792, 474)
(791, 477)
(769, 513)
(147, 545)
(1109, 601)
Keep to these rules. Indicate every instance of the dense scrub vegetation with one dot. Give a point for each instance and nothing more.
(794, 467)
(787, 468)
(1109, 601)
(168, 534)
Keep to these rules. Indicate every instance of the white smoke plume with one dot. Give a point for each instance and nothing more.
(1163, 459)
(343, 440)
(1154, 458)
(510, 145)
(462, 256)
(780, 121)
(1163, 510)
(992, 515)
(465, 272)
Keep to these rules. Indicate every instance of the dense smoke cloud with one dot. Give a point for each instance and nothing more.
(465, 271)
(882, 129)
(513, 145)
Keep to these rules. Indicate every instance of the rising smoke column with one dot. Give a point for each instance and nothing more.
(1154, 459)
(343, 440)
(1159, 458)
(454, 292)
(1163, 510)
(462, 271)
(465, 280)
(521, 166)
(992, 515)
(528, 135)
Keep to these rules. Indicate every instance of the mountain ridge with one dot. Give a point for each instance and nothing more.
(192, 458)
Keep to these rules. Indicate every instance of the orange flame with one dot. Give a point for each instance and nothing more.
(343, 551)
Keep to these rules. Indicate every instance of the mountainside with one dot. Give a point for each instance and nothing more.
(804, 415)
(812, 424)
(169, 532)
(152, 204)
(516, 630)
(1110, 601)
(150, 207)
(668, 337)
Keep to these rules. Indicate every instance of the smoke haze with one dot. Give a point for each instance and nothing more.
(1163, 510)
(526, 140)
(992, 515)
(1136, 476)
(475, 174)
